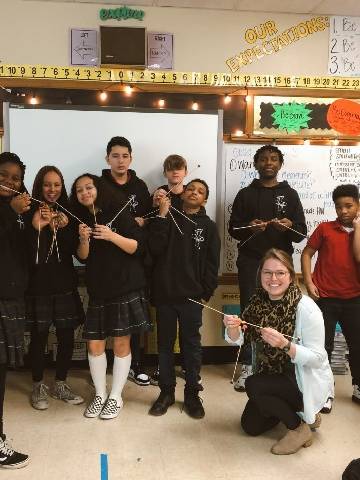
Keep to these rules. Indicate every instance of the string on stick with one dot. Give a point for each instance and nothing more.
(183, 214)
(109, 224)
(171, 215)
(176, 184)
(67, 211)
(246, 323)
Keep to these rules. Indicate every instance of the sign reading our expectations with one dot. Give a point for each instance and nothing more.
(121, 13)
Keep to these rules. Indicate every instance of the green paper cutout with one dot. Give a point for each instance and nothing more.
(291, 117)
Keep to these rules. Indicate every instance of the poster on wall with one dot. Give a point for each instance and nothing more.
(160, 51)
(306, 116)
(84, 47)
(344, 46)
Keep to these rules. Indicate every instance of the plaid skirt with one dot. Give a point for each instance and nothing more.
(117, 317)
(12, 321)
(63, 311)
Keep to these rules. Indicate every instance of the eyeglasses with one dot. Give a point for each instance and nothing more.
(279, 274)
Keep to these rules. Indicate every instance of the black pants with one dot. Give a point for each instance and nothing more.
(136, 357)
(272, 399)
(347, 313)
(189, 316)
(65, 337)
(247, 273)
(2, 394)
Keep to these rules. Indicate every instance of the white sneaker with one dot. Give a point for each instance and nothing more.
(111, 409)
(356, 394)
(94, 408)
(246, 371)
(327, 406)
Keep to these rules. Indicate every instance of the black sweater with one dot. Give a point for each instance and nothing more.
(14, 275)
(175, 198)
(184, 265)
(135, 187)
(111, 272)
(266, 203)
(52, 277)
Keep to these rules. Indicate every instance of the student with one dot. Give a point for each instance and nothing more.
(125, 186)
(175, 171)
(185, 265)
(13, 282)
(335, 283)
(269, 206)
(116, 283)
(292, 377)
(52, 298)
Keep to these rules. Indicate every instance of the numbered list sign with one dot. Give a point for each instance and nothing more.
(83, 47)
(160, 51)
(344, 46)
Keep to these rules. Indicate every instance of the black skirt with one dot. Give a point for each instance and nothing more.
(12, 322)
(117, 317)
(63, 311)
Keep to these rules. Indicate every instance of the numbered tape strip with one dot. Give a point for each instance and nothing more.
(175, 78)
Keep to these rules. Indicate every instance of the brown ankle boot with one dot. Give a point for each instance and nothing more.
(293, 440)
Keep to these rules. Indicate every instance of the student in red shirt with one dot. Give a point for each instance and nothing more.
(335, 283)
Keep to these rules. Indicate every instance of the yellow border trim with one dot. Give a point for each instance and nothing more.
(129, 76)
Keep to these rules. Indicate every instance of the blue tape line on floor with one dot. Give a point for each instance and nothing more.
(104, 466)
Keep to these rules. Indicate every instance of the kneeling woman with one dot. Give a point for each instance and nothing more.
(292, 377)
(115, 281)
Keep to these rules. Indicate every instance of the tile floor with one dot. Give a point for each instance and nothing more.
(66, 446)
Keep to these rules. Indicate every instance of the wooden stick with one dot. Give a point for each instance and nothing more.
(93, 206)
(16, 191)
(236, 364)
(150, 213)
(246, 323)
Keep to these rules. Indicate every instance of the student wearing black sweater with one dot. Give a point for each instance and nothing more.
(270, 207)
(175, 171)
(126, 186)
(186, 265)
(115, 281)
(13, 282)
(52, 298)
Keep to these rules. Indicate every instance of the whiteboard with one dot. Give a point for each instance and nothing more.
(75, 141)
(313, 171)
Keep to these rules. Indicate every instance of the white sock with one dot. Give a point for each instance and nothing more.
(98, 364)
(120, 373)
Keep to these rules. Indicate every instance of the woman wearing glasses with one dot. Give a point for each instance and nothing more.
(292, 378)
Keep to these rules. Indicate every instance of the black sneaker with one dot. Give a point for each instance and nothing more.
(162, 403)
(137, 376)
(193, 404)
(154, 379)
(9, 458)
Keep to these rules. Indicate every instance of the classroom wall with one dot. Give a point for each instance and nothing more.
(35, 32)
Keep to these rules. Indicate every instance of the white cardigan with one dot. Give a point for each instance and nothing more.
(313, 373)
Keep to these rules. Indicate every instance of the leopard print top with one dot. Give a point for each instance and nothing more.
(279, 315)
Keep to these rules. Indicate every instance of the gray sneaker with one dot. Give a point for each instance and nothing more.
(39, 396)
(62, 391)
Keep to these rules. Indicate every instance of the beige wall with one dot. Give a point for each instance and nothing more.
(34, 32)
